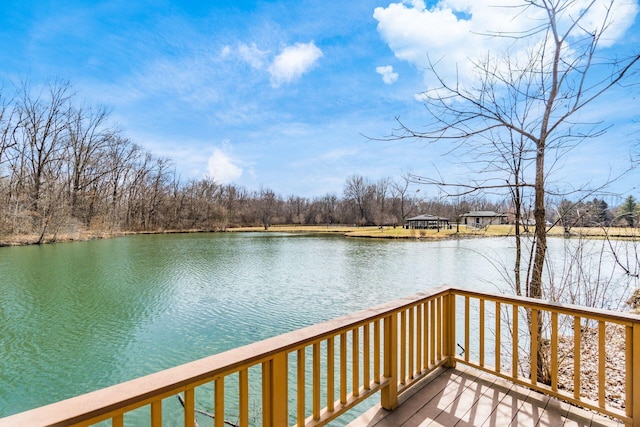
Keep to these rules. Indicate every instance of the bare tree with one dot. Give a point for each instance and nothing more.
(528, 106)
(404, 202)
(7, 143)
(460, 206)
(41, 138)
(530, 102)
(267, 206)
(89, 139)
(358, 191)
(327, 210)
(120, 155)
(159, 178)
(295, 206)
(234, 200)
(380, 195)
(7, 127)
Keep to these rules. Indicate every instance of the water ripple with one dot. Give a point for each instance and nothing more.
(78, 317)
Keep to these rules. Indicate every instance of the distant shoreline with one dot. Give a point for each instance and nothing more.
(372, 232)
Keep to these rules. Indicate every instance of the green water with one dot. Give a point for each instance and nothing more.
(77, 317)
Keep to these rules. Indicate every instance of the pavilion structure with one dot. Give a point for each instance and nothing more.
(426, 221)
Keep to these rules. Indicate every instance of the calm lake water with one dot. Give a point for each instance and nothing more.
(77, 317)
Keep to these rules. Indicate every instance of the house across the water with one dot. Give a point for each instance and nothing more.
(483, 218)
(427, 221)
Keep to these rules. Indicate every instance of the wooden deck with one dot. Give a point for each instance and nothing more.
(467, 397)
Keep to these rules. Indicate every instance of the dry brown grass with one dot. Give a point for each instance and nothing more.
(495, 231)
(294, 228)
(388, 232)
(350, 231)
(32, 239)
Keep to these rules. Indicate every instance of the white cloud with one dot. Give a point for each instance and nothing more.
(286, 67)
(622, 14)
(293, 62)
(222, 167)
(388, 76)
(252, 55)
(451, 32)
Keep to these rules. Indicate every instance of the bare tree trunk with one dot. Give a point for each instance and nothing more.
(535, 286)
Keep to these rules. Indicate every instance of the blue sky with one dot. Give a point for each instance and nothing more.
(278, 93)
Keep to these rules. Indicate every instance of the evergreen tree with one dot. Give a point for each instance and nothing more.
(602, 210)
(628, 211)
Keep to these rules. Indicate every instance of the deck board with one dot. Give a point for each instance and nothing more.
(465, 397)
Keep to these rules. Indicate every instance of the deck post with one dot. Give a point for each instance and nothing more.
(389, 393)
(275, 391)
(449, 329)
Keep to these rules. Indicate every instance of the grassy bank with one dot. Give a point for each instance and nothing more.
(463, 231)
(349, 231)
(390, 232)
(81, 236)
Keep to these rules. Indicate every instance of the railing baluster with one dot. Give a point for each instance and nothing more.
(432, 333)
(498, 333)
(554, 351)
(243, 379)
(316, 381)
(439, 340)
(403, 347)
(343, 368)
(467, 333)
(266, 393)
(452, 327)
(331, 371)
(376, 351)
(534, 347)
(577, 337)
(219, 402)
(355, 361)
(602, 354)
(189, 408)
(514, 343)
(426, 333)
(117, 421)
(412, 338)
(301, 385)
(367, 356)
(419, 365)
(481, 337)
(156, 413)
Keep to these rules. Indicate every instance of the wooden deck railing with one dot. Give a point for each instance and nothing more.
(316, 374)
(508, 327)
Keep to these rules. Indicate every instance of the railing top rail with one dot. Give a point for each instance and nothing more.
(143, 390)
(570, 309)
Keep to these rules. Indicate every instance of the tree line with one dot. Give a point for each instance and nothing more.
(596, 213)
(63, 169)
